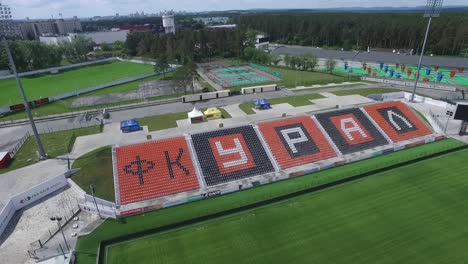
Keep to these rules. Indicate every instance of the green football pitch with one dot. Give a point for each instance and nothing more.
(414, 214)
(46, 85)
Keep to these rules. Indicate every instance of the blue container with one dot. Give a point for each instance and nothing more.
(381, 65)
(386, 68)
(398, 76)
(440, 76)
(392, 72)
(428, 71)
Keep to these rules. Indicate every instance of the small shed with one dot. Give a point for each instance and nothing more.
(213, 113)
(128, 126)
(5, 159)
(196, 116)
(262, 104)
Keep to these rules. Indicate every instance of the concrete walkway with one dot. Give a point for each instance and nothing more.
(329, 85)
(234, 111)
(112, 135)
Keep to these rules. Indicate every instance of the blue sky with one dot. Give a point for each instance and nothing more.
(87, 8)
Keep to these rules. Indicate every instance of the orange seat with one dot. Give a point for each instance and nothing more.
(309, 147)
(397, 121)
(154, 169)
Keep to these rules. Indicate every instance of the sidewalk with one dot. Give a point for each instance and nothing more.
(329, 85)
(112, 135)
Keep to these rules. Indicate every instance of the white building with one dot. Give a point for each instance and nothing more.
(230, 26)
(169, 22)
(56, 39)
(212, 20)
(108, 37)
(262, 42)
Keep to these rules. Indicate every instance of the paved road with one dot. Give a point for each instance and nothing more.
(374, 56)
(9, 136)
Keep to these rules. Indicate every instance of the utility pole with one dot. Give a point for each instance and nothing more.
(59, 219)
(433, 8)
(6, 28)
(91, 189)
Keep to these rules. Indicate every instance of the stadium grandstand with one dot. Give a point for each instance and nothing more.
(174, 171)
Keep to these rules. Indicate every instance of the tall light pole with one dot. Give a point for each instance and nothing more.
(91, 188)
(59, 219)
(433, 8)
(6, 28)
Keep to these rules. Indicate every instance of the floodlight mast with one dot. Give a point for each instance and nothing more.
(6, 28)
(433, 8)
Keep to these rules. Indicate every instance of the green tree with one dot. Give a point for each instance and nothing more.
(132, 42)
(20, 55)
(83, 46)
(275, 59)
(76, 51)
(105, 47)
(310, 62)
(184, 76)
(249, 54)
(119, 46)
(162, 64)
(360, 30)
(287, 60)
(330, 65)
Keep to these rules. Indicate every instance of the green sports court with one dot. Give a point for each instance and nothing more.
(243, 75)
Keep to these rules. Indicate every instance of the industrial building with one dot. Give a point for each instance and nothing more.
(108, 37)
(212, 20)
(29, 29)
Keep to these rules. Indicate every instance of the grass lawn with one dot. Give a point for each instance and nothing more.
(169, 120)
(207, 85)
(366, 91)
(297, 100)
(162, 121)
(87, 245)
(64, 106)
(414, 214)
(96, 168)
(423, 117)
(293, 78)
(46, 85)
(55, 144)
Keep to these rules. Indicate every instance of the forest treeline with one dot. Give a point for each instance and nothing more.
(189, 44)
(448, 35)
(34, 55)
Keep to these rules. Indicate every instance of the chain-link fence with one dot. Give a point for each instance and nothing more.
(20, 143)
